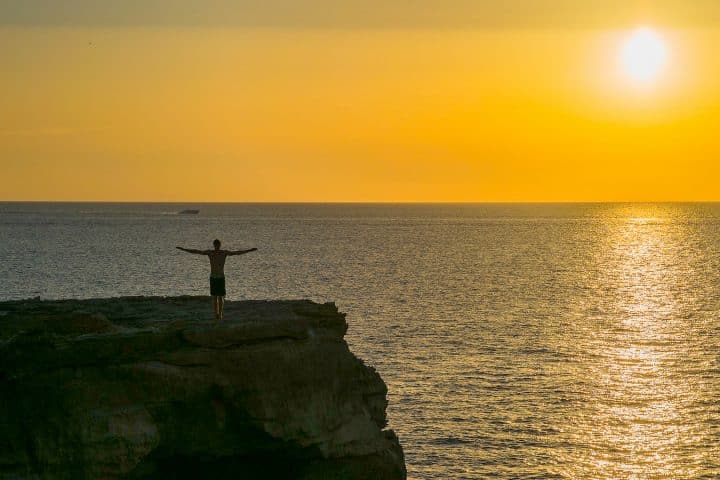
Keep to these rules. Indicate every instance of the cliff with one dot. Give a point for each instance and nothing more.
(156, 388)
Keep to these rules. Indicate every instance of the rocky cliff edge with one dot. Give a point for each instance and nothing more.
(156, 388)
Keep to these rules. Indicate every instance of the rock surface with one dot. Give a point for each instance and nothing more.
(156, 388)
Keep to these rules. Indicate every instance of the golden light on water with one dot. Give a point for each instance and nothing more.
(645, 408)
(642, 392)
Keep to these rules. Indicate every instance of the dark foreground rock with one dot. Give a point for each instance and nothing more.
(156, 388)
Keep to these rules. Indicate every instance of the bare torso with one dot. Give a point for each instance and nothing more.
(217, 262)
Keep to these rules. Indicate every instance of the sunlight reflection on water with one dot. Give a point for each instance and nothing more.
(640, 421)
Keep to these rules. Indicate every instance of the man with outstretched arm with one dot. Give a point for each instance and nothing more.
(217, 272)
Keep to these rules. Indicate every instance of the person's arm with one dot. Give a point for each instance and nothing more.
(241, 252)
(192, 250)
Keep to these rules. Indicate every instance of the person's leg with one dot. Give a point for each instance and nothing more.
(221, 304)
(215, 306)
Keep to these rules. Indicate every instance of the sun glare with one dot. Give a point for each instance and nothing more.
(644, 56)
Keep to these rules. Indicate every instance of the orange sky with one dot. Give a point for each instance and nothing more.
(522, 112)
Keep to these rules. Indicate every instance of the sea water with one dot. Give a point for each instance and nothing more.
(573, 341)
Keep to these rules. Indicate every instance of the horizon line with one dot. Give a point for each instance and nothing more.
(400, 202)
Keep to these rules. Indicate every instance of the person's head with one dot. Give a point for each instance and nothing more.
(216, 244)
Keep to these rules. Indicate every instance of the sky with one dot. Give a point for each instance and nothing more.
(425, 100)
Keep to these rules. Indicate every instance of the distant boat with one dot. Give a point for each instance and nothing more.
(189, 212)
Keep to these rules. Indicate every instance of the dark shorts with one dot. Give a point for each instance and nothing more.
(217, 286)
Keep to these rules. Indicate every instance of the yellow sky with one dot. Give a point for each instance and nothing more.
(311, 113)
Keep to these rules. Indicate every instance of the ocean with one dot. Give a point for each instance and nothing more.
(518, 341)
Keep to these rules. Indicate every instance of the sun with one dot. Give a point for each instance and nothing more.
(644, 56)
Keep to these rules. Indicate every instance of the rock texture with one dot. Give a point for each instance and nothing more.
(156, 388)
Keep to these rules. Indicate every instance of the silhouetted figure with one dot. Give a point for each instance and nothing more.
(217, 272)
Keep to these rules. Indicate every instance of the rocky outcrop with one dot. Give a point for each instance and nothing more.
(156, 388)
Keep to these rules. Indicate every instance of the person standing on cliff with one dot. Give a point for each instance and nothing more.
(217, 272)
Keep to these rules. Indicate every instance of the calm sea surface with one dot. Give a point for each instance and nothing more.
(517, 341)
